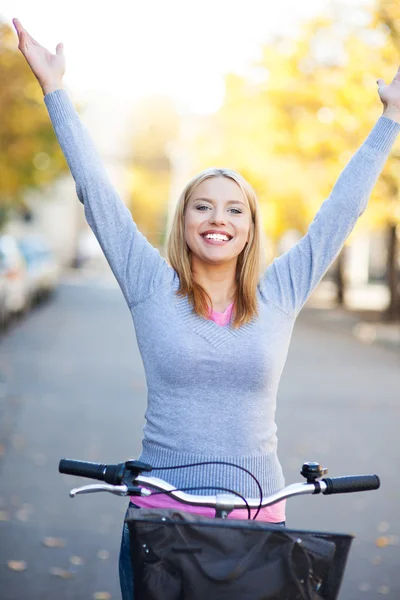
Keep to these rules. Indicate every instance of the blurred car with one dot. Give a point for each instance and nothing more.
(14, 293)
(3, 294)
(43, 269)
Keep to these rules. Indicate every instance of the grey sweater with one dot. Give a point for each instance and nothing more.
(211, 389)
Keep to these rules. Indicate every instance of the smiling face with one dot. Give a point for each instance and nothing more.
(217, 221)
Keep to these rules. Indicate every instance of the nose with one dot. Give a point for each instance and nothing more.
(218, 217)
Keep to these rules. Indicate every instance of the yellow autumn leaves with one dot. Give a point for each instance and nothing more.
(289, 125)
(29, 153)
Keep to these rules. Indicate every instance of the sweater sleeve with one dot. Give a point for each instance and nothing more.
(136, 264)
(289, 280)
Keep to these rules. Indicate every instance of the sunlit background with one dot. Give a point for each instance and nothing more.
(181, 49)
(283, 92)
(169, 88)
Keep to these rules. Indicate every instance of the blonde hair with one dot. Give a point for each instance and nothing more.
(248, 263)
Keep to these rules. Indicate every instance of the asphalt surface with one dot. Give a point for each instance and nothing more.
(72, 385)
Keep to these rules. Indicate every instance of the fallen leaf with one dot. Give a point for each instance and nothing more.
(76, 560)
(383, 527)
(383, 590)
(63, 573)
(52, 542)
(101, 596)
(16, 565)
(24, 512)
(382, 541)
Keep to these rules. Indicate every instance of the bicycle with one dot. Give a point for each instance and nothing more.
(188, 557)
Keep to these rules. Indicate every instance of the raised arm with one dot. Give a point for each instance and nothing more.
(136, 264)
(291, 278)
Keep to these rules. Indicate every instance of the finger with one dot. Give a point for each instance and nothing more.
(380, 82)
(21, 30)
(18, 27)
(22, 33)
(23, 42)
(60, 49)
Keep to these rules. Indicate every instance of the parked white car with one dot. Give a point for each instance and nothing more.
(3, 294)
(13, 277)
(43, 269)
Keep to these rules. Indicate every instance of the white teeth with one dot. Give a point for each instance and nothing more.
(217, 236)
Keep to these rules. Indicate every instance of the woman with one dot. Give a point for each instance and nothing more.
(212, 331)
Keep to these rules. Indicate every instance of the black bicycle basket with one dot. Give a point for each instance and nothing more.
(182, 556)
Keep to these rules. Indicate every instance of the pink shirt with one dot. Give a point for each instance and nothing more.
(271, 514)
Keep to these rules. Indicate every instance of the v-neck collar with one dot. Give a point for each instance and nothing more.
(223, 312)
(206, 328)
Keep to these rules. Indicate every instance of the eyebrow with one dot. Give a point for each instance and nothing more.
(212, 201)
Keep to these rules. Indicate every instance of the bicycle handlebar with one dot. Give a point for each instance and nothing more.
(125, 479)
(350, 484)
(111, 474)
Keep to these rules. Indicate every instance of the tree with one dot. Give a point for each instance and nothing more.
(30, 156)
(292, 123)
(387, 18)
(156, 125)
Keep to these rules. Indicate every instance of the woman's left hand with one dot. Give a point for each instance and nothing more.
(390, 97)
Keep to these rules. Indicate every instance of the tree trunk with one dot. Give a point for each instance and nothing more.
(340, 278)
(392, 274)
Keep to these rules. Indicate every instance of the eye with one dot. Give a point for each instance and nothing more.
(203, 208)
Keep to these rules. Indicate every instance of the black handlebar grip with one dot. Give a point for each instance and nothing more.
(351, 483)
(82, 468)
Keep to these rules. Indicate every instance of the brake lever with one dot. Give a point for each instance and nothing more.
(117, 490)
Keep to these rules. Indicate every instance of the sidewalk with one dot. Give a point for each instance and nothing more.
(362, 320)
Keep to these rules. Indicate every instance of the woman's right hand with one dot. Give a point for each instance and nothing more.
(48, 68)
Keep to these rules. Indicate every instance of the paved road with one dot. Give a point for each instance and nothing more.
(72, 384)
